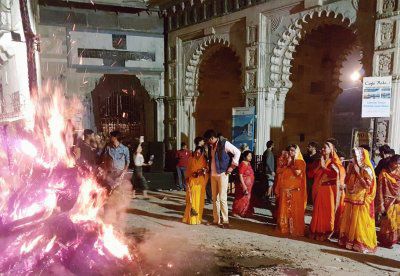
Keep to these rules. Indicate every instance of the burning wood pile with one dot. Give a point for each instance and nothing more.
(51, 210)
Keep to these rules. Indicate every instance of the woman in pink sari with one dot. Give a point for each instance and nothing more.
(242, 205)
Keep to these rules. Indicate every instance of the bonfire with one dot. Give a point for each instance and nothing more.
(51, 210)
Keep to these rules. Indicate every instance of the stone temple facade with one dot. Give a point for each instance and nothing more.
(263, 53)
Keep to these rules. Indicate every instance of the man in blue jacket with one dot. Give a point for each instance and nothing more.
(224, 157)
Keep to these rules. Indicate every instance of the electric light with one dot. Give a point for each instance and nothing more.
(355, 76)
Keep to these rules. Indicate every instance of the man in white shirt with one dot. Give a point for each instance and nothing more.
(224, 157)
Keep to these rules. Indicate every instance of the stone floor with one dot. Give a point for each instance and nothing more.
(166, 246)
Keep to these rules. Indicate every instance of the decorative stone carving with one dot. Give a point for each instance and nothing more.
(171, 72)
(193, 55)
(252, 58)
(251, 80)
(388, 6)
(275, 22)
(251, 102)
(382, 128)
(355, 4)
(172, 53)
(385, 64)
(282, 53)
(387, 34)
(252, 34)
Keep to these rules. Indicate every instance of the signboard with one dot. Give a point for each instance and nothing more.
(243, 126)
(377, 92)
(113, 50)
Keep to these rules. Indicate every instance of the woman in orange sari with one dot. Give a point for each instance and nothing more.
(357, 224)
(291, 194)
(196, 176)
(388, 199)
(328, 184)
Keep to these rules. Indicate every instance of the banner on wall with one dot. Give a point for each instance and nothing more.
(377, 93)
(243, 126)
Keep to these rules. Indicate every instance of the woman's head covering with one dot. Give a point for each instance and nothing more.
(363, 160)
(336, 160)
(298, 155)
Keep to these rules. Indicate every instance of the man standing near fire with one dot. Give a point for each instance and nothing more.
(116, 160)
(222, 165)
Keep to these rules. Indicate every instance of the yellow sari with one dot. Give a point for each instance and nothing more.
(196, 190)
(357, 225)
(292, 197)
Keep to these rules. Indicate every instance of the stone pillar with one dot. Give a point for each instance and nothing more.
(173, 119)
(256, 75)
(386, 63)
(160, 119)
(160, 127)
(394, 129)
(182, 119)
(280, 106)
(192, 121)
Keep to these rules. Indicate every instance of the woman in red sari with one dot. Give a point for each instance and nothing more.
(327, 189)
(389, 203)
(242, 205)
(291, 194)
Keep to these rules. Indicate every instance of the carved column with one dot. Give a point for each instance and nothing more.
(280, 106)
(385, 63)
(191, 104)
(171, 97)
(160, 111)
(256, 74)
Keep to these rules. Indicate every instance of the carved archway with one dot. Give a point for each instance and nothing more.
(204, 48)
(283, 60)
(282, 54)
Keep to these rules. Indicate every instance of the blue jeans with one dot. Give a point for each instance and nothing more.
(181, 177)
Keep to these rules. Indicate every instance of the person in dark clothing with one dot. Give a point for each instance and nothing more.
(385, 152)
(312, 158)
(199, 142)
(87, 152)
(268, 162)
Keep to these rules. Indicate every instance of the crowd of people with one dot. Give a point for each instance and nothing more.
(349, 198)
(110, 160)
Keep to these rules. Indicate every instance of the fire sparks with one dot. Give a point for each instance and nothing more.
(50, 210)
(28, 246)
(50, 245)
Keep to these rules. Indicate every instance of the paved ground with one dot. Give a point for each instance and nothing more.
(252, 247)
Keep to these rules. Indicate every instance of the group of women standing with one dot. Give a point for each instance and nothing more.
(343, 201)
